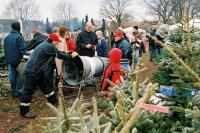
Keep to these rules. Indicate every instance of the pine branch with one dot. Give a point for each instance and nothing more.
(133, 115)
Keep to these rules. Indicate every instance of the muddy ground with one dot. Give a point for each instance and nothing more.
(12, 122)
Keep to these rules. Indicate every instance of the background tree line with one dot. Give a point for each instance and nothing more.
(117, 12)
(171, 10)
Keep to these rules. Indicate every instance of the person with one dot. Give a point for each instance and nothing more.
(86, 41)
(102, 45)
(62, 31)
(152, 45)
(161, 33)
(113, 71)
(38, 38)
(77, 31)
(137, 43)
(122, 44)
(55, 30)
(70, 42)
(35, 74)
(14, 48)
(112, 39)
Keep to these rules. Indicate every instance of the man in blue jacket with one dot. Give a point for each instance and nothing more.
(14, 48)
(122, 44)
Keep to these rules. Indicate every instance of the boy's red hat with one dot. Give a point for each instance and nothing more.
(118, 33)
(54, 37)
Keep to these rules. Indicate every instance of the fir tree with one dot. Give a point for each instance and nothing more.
(92, 21)
(82, 25)
(48, 27)
(103, 28)
(86, 18)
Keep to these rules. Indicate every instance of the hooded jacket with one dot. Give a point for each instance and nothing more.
(115, 56)
(14, 45)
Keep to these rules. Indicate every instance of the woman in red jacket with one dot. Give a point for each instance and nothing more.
(71, 44)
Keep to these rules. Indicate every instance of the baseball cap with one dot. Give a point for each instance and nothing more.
(54, 37)
(118, 33)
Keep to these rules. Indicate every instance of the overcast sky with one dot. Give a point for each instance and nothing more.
(83, 7)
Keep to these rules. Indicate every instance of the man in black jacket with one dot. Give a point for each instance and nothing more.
(14, 48)
(87, 41)
(35, 74)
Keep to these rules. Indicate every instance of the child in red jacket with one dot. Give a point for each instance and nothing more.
(113, 71)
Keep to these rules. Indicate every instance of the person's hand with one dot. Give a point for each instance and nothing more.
(120, 28)
(93, 47)
(88, 45)
(74, 54)
(148, 35)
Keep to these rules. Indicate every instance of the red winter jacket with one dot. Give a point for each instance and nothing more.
(71, 45)
(115, 56)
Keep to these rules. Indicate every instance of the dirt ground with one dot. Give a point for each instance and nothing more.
(12, 122)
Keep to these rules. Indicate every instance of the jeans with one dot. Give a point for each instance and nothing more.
(137, 56)
(151, 54)
(158, 54)
(13, 76)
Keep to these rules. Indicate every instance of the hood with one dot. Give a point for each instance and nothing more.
(115, 55)
(16, 26)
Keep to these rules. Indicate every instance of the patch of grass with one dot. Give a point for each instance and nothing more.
(42, 105)
(7, 108)
(1, 89)
(103, 104)
(16, 129)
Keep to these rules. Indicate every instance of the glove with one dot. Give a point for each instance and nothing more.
(74, 54)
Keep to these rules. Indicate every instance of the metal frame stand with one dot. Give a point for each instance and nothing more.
(83, 84)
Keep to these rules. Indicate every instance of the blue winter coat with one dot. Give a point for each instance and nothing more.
(102, 48)
(14, 48)
(125, 47)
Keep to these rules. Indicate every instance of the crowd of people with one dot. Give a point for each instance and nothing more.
(47, 53)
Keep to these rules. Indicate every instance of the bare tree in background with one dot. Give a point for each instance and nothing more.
(163, 9)
(115, 10)
(21, 9)
(167, 10)
(194, 9)
(64, 12)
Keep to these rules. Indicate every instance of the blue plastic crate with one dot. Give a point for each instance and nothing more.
(167, 90)
(125, 63)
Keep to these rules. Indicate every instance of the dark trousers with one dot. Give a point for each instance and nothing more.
(151, 53)
(31, 81)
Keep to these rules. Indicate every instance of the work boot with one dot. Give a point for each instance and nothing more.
(29, 115)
